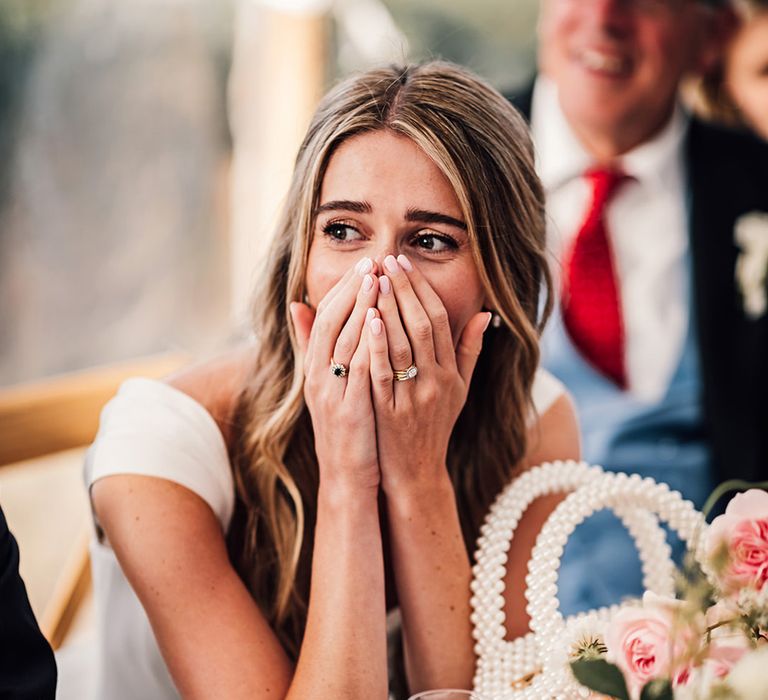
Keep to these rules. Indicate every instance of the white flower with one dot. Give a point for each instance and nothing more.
(700, 685)
(748, 679)
(751, 234)
(755, 604)
(586, 641)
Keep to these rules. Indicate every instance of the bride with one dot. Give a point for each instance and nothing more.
(258, 516)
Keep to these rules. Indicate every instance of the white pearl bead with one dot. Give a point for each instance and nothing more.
(639, 503)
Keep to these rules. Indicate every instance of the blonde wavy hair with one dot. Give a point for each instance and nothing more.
(482, 146)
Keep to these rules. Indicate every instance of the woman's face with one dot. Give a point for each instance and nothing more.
(747, 72)
(382, 195)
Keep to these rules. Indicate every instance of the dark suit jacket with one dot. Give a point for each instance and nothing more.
(27, 666)
(727, 177)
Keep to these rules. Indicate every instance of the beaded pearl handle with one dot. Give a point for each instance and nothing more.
(611, 490)
(501, 664)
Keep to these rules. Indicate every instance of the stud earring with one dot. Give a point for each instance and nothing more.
(496, 320)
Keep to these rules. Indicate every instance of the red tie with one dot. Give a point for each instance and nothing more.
(591, 302)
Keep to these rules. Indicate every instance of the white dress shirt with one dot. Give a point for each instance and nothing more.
(647, 224)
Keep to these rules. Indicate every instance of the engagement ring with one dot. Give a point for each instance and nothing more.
(403, 375)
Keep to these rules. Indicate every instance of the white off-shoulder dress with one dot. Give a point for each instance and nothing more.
(153, 429)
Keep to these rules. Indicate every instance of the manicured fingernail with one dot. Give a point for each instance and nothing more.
(376, 326)
(370, 315)
(364, 266)
(367, 283)
(385, 285)
(391, 264)
(405, 263)
(487, 321)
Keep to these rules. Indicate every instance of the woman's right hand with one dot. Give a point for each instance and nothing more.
(341, 407)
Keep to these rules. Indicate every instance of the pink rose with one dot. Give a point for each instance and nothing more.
(743, 529)
(648, 642)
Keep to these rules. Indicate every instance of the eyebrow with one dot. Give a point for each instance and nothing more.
(415, 215)
(432, 217)
(345, 205)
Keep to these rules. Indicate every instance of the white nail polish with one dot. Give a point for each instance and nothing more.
(405, 263)
(391, 264)
(385, 285)
(367, 283)
(364, 266)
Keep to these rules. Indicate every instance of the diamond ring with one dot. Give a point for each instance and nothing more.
(403, 375)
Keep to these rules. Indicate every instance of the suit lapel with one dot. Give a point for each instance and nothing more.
(713, 288)
(731, 346)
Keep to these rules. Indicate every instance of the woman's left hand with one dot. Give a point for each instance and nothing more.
(415, 417)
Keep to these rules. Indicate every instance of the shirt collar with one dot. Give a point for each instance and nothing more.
(658, 163)
(560, 156)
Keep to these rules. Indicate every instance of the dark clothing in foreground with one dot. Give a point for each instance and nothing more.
(27, 665)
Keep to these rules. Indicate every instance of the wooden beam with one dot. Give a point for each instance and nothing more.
(72, 586)
(62, 412)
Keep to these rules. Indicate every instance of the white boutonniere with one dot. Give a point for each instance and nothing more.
(751, 234)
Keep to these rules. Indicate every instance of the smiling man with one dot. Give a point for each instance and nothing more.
(617, 64)
(651, 334)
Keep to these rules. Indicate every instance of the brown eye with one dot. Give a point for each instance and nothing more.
(341, 232)
(435, 243)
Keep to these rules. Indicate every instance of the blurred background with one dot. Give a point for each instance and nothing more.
(145, 147)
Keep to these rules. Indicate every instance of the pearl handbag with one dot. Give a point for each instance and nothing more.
(535, 667)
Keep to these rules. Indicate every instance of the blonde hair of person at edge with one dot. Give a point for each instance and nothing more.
(414, 213)
(735, 91)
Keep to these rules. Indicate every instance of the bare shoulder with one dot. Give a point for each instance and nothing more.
(555, 434)
(216, 384)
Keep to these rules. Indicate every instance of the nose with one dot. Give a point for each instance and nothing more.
(613, 16)
(378, 259)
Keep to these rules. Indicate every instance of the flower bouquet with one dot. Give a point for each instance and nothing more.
(711, 642)
(696, 635)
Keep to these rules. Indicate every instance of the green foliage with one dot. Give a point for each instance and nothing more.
(495, 38)
(20, 18)
(657, 689)
(727, 487)
(601, 676)
(21, 26)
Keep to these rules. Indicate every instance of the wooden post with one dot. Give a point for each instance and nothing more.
(277, 78)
